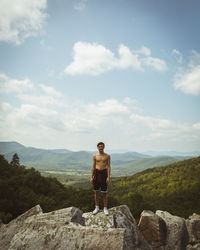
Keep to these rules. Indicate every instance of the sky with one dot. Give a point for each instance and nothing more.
(76, 72)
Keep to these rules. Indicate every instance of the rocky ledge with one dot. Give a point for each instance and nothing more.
(70, 228)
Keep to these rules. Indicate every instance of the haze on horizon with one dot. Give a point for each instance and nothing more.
(125, 72)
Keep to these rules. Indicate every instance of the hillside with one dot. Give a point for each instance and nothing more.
(73, 162)
(42, 159)
(144, 163)
(174, 188)
(21, 189)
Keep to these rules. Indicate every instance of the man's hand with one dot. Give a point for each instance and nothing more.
(107, 180)
(91, 180)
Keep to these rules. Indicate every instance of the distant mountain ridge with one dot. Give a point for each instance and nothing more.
(173, 153)
(65, 160)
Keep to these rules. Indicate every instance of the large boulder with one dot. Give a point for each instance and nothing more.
(119, 217)
(68, 229)
(177, 234)
(193, 227)
(8, 231)
(193, 247)
(153, 229)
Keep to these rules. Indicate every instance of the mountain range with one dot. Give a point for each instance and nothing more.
(66, 160)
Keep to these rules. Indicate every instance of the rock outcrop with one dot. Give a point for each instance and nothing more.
(164, 231)
(119, 218)
(153, 229)
(70, 229)
(193, 227)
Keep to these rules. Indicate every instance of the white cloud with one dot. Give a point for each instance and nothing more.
(144, 51)
(27, 92)
(80, 5)
(95, 59)
(91, 59)
(194, 59)
(8, 85)
(50, 91)
(5, 107)
(178, 56)
(47, 118)
(42, 100)
(196, 126)
(155, 63)
(21, 19)
(155, 124)
(189, 82)
(128, 59)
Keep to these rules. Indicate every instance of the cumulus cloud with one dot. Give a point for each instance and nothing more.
(91, 59)
(50, 90)
(144, 51)
(188, 80)
(178, 56)
(50, 119)
(9, 85)
(80, 5)
(194, 59)
(27, 92)
(156, 63)
(95, 59)
(21, 19)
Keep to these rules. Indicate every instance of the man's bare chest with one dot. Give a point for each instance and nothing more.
(101, 160)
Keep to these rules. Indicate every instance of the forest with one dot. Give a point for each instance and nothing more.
(173, 188)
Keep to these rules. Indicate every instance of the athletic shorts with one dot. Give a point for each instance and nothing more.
(99, 181)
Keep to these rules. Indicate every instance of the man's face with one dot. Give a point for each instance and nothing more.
(101, 148)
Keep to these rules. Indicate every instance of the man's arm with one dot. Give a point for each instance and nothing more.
(93, 167)
(108, 169)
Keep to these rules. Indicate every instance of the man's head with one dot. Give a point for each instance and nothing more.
(100, 146)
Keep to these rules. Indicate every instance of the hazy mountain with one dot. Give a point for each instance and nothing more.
(6, 147)
(145, 163)
(59, 159)
(173, 153)
(65, 160)
(60, 151)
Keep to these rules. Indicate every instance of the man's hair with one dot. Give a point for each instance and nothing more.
(100, 143)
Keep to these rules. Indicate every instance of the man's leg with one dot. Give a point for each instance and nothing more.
(105, 199)
(96, 199)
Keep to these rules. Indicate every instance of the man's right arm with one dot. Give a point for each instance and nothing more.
(93, 167)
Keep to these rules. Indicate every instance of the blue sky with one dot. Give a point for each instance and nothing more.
(126, 72)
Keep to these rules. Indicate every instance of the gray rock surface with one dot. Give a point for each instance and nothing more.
(177, 234)
(193, 227)
(35, 227)
(153, 229)
(119, 217)
(164, 231)
(68, 229)
(193, 247)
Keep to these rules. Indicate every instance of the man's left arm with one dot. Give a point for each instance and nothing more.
(108, 169)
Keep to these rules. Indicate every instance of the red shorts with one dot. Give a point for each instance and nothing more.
(99, 181)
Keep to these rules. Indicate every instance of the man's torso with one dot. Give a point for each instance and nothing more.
(101, 161)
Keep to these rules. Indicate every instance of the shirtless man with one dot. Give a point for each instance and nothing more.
(101, 171)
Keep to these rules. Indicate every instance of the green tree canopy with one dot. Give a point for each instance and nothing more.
(15, 160)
